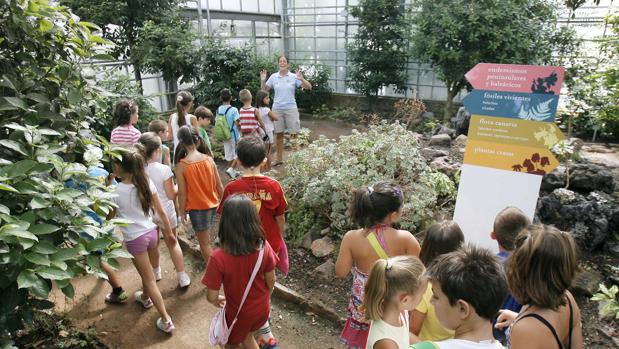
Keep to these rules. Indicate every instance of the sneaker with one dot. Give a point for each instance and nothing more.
(139, 298)
(114, 298)
(165, 326)
(238, 174)
(184, 280)
(157, 273)
(230, 171)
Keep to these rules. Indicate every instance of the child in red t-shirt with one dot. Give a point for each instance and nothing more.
(265, 192)
(240, 238)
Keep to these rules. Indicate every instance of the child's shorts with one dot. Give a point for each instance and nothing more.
(229, 150)
(170, 211)
(142, 243)
(201, 220)
(270, 135)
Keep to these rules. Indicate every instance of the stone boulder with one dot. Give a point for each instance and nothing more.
(430, 153)
(326, 270)
(460, 141)
(587, 283)
(444, 130)
(306, 242)
(445, 165)
(322, 247)
(440, 140)
(584, 177)
(591, 219)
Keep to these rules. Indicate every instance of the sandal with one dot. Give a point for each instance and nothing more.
(277, 163)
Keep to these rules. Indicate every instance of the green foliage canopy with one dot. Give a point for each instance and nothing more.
(379, 52)
(45, 141)
(454, 35)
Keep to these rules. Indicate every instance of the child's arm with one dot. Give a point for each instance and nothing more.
(218, 184)
(167, 228)
(272, 116)
(215, 299)
(385, 344)
(269, 277)
(258, 118)
(281, 223)
(344, 258)
(166, 157)
(182, 190)
(170, 189)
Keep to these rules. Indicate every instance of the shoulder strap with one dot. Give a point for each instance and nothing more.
(545, 323)
(226, 115)
(249, 283)
(569, 303)
(376, 246)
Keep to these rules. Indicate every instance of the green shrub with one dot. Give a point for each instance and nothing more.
(609, 300)
(323, 176)
(45, 140)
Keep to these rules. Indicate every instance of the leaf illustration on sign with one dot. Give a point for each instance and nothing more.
(547, 135)
(534, 165)
(536, 111)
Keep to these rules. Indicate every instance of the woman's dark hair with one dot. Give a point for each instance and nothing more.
(370, 205)
(132, 162)
(260, 98)
(542, 266)
(123, 110)
(188, 137)
(440, 238)
(183, 98)
(150, 143)
(240, 230)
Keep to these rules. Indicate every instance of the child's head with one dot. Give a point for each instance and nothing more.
(188, 139)
(542, 266)
(398, 279)
(126, 112)
(507, 224)
(225, 95)
(204, 116)
(159, 127)
(184, 101)
(151, 145)
(240, 230)
(468, 284)
(440, 238)
(251, 151)
(376, 204)
(262, 99)
(131, 164)
(245, 96)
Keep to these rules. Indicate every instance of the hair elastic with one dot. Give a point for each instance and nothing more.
(388, 265)
(397, 192)
(179, 98)
(370, 190)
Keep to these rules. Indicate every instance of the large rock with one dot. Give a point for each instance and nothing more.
(460, 141)
(326, 270)
(584, 177)
(430, 153)
(306, 243)
(444, 130)
(587, 283)
(461, 121)
(445, 165)
(441, 140)
(590, 219)
(322, 247)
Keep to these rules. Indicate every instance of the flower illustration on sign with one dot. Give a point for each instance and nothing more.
(533, 165)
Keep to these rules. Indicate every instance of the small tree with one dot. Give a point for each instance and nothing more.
(379, 52)
(454, 35)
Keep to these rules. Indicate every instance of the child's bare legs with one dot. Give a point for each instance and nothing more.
(248, 343)
(205, 244)
(175, 251)
(279, 146)
(234, 163)
(154, 257)
(143, 265)
(112, 277)
(268, 164)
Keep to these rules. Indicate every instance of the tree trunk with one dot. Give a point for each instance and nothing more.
(171, 88)
(138, 77)
(449, 103)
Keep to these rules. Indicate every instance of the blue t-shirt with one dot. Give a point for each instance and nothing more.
(285, 88)
(232, 116)
(509, 303)
(96, 172)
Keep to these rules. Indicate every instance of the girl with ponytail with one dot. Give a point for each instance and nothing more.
(199, 186)
(184, 103)
(136, 196)
(394, 288)
(375, 209)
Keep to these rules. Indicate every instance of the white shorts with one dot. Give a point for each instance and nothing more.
(229, 149)
(287, 119)
(170, 211)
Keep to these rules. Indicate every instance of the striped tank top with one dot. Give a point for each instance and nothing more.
(248, 120)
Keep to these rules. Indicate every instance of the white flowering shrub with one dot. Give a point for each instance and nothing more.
(322, 177)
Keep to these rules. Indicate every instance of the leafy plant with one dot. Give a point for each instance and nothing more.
(379, 52)
(610, 302)
(45, 139)
(322, 176)
(454, 35)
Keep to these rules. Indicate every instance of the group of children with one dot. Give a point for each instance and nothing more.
(448, 294)
(440, 294)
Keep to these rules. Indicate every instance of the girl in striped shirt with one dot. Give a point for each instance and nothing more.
(126, 115)
(250, 120)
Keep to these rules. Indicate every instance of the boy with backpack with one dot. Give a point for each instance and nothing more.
(226, 130)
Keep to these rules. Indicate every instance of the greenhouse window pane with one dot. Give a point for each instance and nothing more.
(278, 6)
(325, 44)
(325, 18)
(262, 46)
(214, 4)
(262, 29)
(233, 5)
(276, 46)
(304, 19)
(305, 44)
(325, 30)
(303, 3)
(250, 5)
(267, 6)
(221, 27)
(326, 3)
(274, 29)
(238, 42)
(424, 92)
(304, 31)
(241, 28)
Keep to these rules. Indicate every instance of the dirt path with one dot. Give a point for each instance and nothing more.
(130, 326)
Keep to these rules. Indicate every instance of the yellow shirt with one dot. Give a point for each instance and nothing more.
(431, 330)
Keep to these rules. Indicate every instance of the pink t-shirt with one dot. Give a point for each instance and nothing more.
(125, 135)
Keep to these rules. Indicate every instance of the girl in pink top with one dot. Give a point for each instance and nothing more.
(126, 115)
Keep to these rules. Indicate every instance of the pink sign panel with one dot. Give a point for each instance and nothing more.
(516, 78)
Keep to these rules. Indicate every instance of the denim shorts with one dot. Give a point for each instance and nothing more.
(201, 220)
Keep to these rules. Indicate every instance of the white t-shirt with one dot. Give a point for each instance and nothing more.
(464, 344)
(175, 128)
(159, 174)
(268, 123)
(381, 330)
(130, 208)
